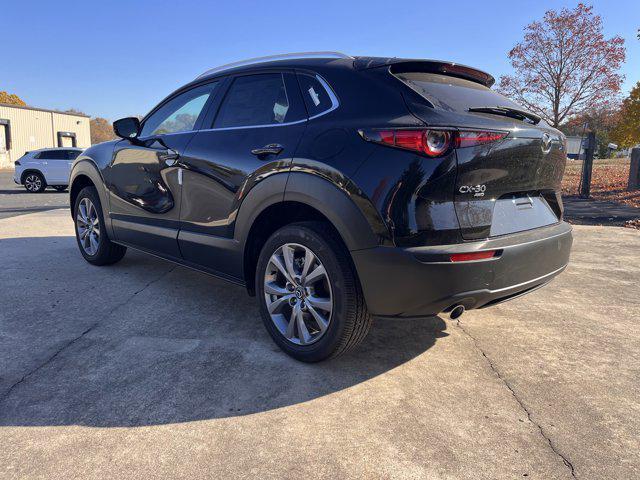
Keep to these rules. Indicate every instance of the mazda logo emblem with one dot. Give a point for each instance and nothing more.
(546, 143)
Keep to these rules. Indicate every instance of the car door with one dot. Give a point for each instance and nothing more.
(252, 132)
(51, 165)
(59, 166)
(144, 178)
(70, 159)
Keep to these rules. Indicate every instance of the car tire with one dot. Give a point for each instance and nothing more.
(331, 316)
(34, 182)
(91, 234)
(60, 188)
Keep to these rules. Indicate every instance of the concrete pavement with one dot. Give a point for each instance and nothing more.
(148, 370)
(15, 200)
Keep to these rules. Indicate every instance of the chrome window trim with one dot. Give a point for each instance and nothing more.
(273, 58)
(335, 103)
(221, 129)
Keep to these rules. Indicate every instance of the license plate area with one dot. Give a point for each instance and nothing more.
(517, 213)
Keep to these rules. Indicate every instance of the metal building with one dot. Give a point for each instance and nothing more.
(25, 128)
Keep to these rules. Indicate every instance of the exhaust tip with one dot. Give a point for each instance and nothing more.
(456, 312)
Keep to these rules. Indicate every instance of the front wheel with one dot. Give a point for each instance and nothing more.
(310, 297)
(91, 234)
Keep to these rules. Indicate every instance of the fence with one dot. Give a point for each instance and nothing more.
(614, 179)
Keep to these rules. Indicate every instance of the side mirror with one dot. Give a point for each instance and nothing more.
(127, 128)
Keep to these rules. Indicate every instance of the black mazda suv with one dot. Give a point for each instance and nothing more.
(335, 189)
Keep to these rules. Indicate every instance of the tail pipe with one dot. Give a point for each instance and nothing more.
(456, 312)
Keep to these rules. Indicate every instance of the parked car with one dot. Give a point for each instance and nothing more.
(335, 189)
(38, 169)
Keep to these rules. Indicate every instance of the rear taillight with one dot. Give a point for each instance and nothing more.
(17, 164)
(471, 138)
(431, 142)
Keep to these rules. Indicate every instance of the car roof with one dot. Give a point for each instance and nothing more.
(54, 148)
(316, 59)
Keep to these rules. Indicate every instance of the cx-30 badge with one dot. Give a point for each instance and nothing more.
(477, 190)
(546, 142)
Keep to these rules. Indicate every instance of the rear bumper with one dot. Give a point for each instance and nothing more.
(422, 281)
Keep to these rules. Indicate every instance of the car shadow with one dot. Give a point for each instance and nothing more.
(164, 345)
(22, 190)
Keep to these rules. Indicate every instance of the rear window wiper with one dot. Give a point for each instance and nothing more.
(508, 112)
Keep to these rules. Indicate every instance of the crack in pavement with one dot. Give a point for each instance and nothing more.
(565, 460)
(85, 332)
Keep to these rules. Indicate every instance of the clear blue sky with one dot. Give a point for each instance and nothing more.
(119, 58)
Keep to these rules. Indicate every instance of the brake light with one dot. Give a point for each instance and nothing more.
(17, 164)
(468, 138)
(431, 142)
(468, 257)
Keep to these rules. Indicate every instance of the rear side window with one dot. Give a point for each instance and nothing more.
(316, 97)
(255, 100)
(452, 93)
(73, 154)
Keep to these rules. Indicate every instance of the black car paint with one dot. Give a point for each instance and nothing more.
(376, 197)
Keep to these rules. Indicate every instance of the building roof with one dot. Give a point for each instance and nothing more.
(44, 110)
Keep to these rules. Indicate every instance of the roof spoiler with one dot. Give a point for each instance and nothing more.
(401, 65)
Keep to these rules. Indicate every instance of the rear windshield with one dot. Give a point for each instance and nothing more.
(452, 93)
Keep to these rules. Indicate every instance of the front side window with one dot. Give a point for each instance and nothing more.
(254, 100)
(180, 113)
(52, 155)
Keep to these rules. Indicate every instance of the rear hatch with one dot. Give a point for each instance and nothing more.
(502, 187)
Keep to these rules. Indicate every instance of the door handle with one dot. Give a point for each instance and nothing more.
(170, 157)
(271, 149)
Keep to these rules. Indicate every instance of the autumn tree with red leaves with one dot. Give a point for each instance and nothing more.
(565, 65)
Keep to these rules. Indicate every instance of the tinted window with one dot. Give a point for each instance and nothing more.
(254, 100)
(316, 97)
(454, 94)
(73, 154)
(53, 155)
(180, 113)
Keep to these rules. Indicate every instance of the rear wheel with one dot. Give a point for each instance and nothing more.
(310, 298)
(91, 234)
(34, 182)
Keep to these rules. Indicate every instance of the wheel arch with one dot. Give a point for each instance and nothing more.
(31, 170)
(84, 174)
(284, 199)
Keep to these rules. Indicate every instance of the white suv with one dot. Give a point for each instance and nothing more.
(45, 167)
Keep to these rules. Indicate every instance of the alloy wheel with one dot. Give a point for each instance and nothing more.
(88, 226)
(33, 183)
(298, 295)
